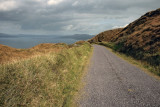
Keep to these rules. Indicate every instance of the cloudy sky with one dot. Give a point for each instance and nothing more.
(69, 16)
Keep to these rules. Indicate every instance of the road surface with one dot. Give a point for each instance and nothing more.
(113, 82)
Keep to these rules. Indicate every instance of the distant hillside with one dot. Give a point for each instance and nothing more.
(78, 37)
(140, 39)
(4, 35)
(75, 36)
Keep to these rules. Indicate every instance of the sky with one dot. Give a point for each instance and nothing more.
(65, 17)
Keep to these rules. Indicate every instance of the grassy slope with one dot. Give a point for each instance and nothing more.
(105, 36)
(46, 80)
(141, 38)
(8, 54)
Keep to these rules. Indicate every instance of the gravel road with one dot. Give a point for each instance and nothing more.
(113, 82)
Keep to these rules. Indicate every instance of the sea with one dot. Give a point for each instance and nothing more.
(28, 41)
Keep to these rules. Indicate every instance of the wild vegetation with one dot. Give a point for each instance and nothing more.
(49, 79)
(105, 36)
(140, 39)
(8, 54)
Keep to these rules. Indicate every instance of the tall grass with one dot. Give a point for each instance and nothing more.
(47, 80)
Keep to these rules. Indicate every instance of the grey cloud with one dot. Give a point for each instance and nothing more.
(71, 16)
